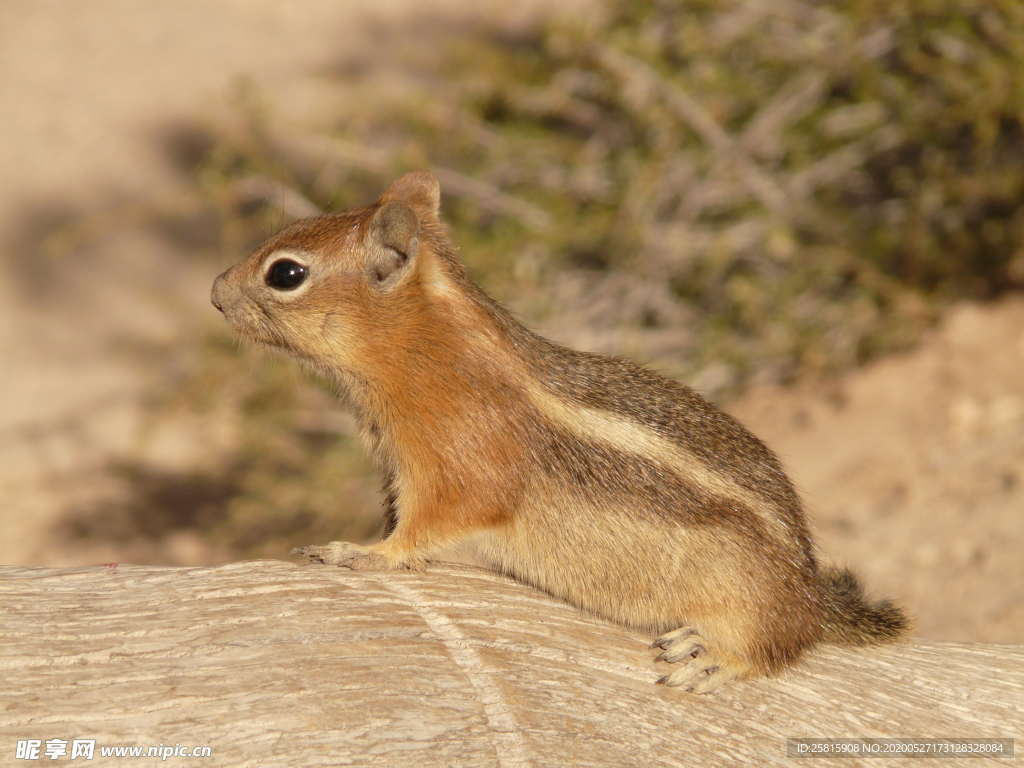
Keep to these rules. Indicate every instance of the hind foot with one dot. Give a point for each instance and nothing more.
(699, 671)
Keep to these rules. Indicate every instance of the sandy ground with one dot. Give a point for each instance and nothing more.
(90, 94)
(913, 471)
(913, 468)
(85, 90)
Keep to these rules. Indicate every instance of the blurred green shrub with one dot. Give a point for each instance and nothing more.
(734, 190)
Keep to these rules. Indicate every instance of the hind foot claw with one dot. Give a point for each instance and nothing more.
(699, 670)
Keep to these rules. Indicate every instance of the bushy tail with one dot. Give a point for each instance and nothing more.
(850, 619)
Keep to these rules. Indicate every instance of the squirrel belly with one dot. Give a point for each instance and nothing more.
(598, 481)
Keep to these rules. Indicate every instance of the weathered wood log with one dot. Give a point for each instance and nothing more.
(271, 663)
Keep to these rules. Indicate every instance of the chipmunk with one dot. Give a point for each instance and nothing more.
(594, 479)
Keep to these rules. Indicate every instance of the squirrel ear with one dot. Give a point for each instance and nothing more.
(394, 241)
(420, 191)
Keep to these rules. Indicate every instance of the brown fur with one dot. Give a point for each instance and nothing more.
(601, 482)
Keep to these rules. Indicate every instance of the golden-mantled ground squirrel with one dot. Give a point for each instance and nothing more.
(596, 480)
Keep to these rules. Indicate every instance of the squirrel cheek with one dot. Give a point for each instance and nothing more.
(338, 332)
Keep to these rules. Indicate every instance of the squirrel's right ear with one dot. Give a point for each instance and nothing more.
(420, 190)
(393, 244)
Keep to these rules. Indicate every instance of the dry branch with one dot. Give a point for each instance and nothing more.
(274, 664)
(288, 199)
(765, 189)
(486, 195)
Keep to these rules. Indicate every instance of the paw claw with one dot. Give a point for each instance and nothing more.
(683, 654)
(667, 639)
(698, 678)
(698, 670)
(308, 552)
(343, 554)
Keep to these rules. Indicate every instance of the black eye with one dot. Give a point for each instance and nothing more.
(286, 275)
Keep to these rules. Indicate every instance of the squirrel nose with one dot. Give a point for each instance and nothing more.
(214, 294)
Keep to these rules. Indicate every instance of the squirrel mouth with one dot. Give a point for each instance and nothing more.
(252, 325)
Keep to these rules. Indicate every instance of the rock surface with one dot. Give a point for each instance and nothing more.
(270, 663)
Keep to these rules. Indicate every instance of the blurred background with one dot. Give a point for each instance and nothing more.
(809, 211)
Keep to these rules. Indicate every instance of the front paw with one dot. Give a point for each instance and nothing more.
(345, 554)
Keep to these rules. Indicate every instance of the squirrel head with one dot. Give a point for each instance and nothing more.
(341, 290)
